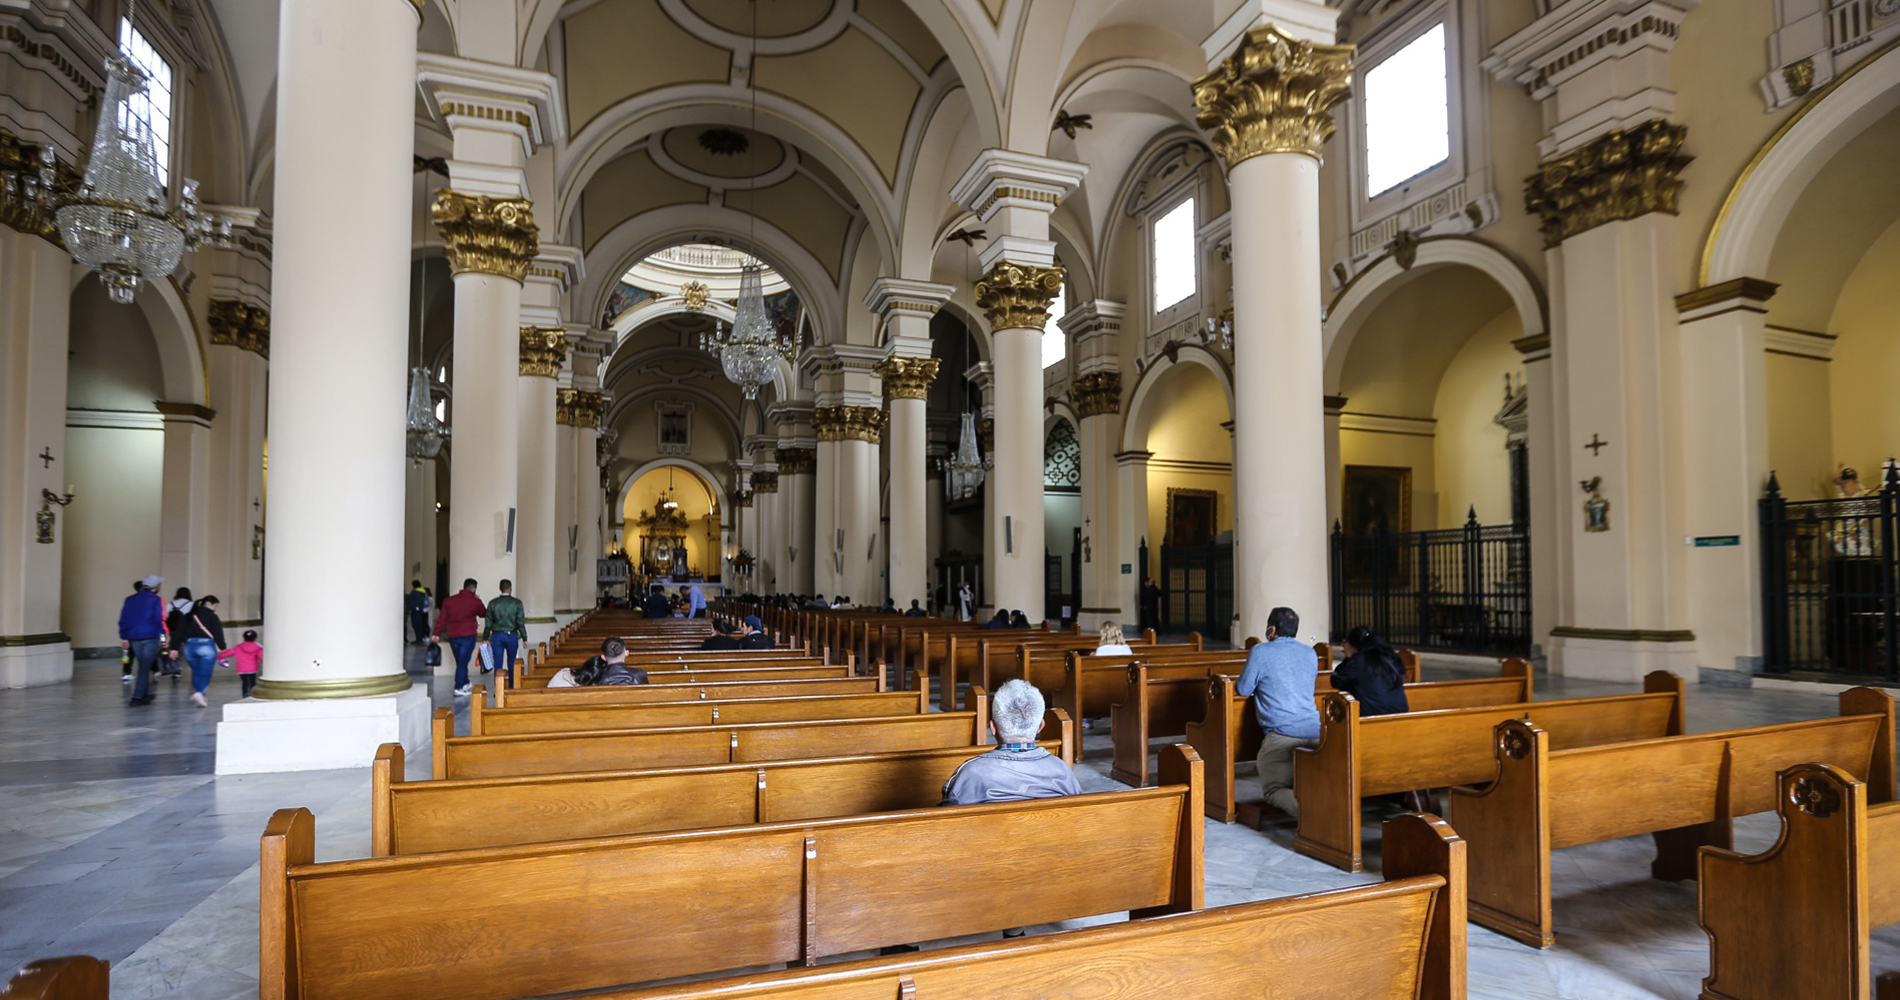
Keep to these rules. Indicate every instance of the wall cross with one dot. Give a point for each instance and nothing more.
(46, 455)
(1595, 444)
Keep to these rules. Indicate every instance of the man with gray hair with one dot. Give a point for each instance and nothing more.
(1017, 768)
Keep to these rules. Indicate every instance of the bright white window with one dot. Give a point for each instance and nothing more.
(441, 409)
(1408, 119)
(152, 108)
(1174, 255)
(1055, 344)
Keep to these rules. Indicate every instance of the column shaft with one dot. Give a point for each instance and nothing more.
(1100, 533)
(536, 470)
(238, 382)
(1017, 514)
(419, 552)
(567, 477)
(858, 517)
(590, 507)
(483, 478)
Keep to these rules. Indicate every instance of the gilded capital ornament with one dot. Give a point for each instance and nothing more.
(487, 235)
(1273, 95)
(20, 167)
(986, 436)
(796, 461)
(1097, 394)
(907, 378)
(239, 325)
(848, 423)
(1623, 174)
(543, 350)
(765, 482)
(1017, 296)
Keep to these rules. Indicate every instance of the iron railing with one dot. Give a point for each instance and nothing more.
(1460, 589)
(1197, 590)
(1829, 582)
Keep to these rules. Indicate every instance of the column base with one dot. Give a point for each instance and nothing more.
(320, 733)
(36, 666)
(1624, 656)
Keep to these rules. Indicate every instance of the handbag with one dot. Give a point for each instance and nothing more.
(487, 651)
(432, 658)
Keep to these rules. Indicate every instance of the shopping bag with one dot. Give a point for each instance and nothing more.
(432, 658)
(487, 652)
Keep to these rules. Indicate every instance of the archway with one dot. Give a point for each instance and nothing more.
(1182, 416)
(669, 515)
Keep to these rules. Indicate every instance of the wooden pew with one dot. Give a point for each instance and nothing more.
(507, 922)
(718, 687)
(413, 817)
(1379, 755)
(1402, 939)
(734, 673)
(969, 657)
(1228, 730)
(1685, 790)
(1794, 920)
(618, 749)
(567, 718)
(75, 977)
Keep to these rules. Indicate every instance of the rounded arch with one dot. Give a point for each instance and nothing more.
(1745, 231)
(1135, 415)
(1372, 286)
(672, 461)
(180, 355)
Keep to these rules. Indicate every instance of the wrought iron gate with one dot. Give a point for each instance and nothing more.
(1460, 589)
(1197, 589)
(1829, 582)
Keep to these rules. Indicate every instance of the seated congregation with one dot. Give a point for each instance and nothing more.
(684, 822)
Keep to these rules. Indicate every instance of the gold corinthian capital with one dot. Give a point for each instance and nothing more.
(487, 235)
(1017, 296)
(543, 349)
(1273, 95)
(847, 423)
(907, 378)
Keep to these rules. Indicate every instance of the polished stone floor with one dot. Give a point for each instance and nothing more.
(116, 840)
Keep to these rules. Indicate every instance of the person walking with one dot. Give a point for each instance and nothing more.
(506, 622)
(141, 629)
(456, 621)
(416, 603)
(203, 637)
(175, 613)
(247, 658)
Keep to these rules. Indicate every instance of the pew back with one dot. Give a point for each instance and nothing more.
(564, 718)
(683, 691)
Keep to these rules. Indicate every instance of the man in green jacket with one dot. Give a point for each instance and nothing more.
(502, 629)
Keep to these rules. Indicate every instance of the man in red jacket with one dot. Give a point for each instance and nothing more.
(456, 621)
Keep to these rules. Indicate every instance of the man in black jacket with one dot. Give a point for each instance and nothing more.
(657, 606)
(752, 634)
(721, 637)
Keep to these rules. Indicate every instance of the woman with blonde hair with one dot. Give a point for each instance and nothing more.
(1112, 643)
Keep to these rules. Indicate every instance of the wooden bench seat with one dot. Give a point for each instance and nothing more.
(413, 817)
(620, 749)
(1685, 790)
(1379, 755)
(969, 658)
(688, 690)
(1401, 939)
(567, 718)
(733, 673)
(1228, 730)
(1794, 920)
(507, 922)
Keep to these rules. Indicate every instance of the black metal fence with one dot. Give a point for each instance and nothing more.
(1460, 589)
(1829, 582)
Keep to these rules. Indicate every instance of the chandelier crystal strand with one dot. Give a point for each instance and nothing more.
(750, 354)
(966, 467)
(426, 433)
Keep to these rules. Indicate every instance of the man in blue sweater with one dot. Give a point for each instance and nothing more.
(141, 625)
(1279, 676)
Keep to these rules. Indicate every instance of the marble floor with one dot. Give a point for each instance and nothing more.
(117, 840)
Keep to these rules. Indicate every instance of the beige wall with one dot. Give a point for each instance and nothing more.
(1867, 360)
(1471, 466)
(1188, 408)
(111, 532)
(1401, 450)
(1800, 426)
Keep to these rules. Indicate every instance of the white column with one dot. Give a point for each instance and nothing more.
(1544, 489)
(567, 476)
(827, 575)
(345, 133)
(184, 520)
(36, 276)
(1268, 105)
(543, 350)
(238, 378)
(797, 461)
(591, 512)
(904, 309)
(419, 540)
(1094, 331)
(1131, 528)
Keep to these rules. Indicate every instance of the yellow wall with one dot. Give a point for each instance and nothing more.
(1471, 465)
(695, 500)
(1800, 426)
(111, 532)
(1867, 360)
(1397, 450)
(1188, 408)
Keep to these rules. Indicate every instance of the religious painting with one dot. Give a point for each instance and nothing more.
(675, 427)
(1192, 517)
(625, 297)
(1378, 498)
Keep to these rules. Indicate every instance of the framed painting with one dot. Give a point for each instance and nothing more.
(1377, 498)
(1193, 516)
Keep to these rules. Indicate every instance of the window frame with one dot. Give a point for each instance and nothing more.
(1388, 40)
(1163, 317)
(156, 41)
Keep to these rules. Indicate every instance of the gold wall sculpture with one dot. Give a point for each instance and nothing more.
(1097, 394)
(796, 461)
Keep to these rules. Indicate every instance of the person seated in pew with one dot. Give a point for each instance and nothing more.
(656, 605)
(721, 638)
(818, 604)
(1019, 620)
(609, 669)
(1113, 642)
(752, 634)
(1279, 676)
(890, 606)
(563, 678)
(1000, 621)
(915, 611)
(1372, 673)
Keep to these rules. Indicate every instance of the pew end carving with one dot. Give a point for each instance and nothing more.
(74, 977)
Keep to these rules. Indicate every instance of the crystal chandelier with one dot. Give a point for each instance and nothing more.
(966, 466)
(750, 350)
(117, 224)
(426, 433)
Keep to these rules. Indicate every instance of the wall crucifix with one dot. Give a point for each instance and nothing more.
(46, 456)
(1595, 444)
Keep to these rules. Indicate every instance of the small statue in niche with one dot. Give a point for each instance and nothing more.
(1596, 510)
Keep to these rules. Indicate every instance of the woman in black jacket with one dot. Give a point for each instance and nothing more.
(1371, 673)
(203, 636)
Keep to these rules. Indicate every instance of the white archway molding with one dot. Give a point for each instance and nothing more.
(1136, 418)
(1110, 74)
(1745, 231)
(619, 127)
(625, 404)
(649, 232)
(181, 358)
(654, 310)
(925, 183)
(1372, 286)
(617, 367)
(672, 462)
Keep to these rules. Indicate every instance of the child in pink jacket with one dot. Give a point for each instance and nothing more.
(246, 657)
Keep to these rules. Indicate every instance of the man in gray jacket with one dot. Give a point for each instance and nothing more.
(1017, 768)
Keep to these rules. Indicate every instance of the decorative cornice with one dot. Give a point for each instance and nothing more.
(1017, 296)
(1273, 95)
(1625, 174)
(1097, 394)
(765, 482)
(487, 235)
(907, 378)
(543, 350)
(1533, 344)
(191, 412)
(579, 408)
(1740, 290)
(742, 498)
(796, 461)
(846, 423)
(241, 325)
